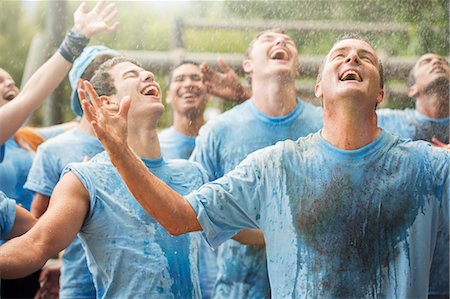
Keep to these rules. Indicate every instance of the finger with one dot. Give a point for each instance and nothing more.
(108, 9)
(80, 84)
(113, 27)
(207, 71)
(223, 66)
(99, 6)
(124, 107)
(111, 15)
(86, 158)
(98, 130)
(88, 111)
(437, 142)
(96, 102)
(82, 8)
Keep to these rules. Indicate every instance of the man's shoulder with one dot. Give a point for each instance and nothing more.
(62, 140)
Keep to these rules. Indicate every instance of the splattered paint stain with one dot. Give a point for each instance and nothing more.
(354, 229)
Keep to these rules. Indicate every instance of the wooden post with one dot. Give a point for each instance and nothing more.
(56, 29)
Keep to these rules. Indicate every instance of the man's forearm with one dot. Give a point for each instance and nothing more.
(165, 205)
(40, 86)
(18, 261)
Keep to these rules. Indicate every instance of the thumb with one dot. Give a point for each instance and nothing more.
(124, 106)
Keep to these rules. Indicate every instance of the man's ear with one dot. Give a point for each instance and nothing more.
(318, 91)
(110, 103)
(247, 66)
(169, 97)
(380, 96)
(412, 91)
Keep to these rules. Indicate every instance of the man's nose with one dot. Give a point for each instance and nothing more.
(352, 57)
(280, 41)
(147, 76)
(10, 82)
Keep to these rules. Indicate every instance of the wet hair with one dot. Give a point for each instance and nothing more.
(252, 43)
(352, 36)
(102, 81)
(89, 72)
(173, 68)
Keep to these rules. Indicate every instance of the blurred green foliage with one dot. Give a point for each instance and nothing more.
(147, 25)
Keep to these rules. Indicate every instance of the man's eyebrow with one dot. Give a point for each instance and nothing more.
(134, 72)
(338, 50)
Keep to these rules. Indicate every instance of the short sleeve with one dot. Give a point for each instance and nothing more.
(7, 215)
(229, 204)
(44, 174)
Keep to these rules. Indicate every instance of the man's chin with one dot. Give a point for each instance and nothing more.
(439, 86)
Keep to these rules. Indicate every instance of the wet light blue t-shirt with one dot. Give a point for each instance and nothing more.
(13, 173)
(221, 145)
(15, 167)
(51, 159)
(7, 215)
(349, 224)
(175, 145)
(409, 123)
(129, 254)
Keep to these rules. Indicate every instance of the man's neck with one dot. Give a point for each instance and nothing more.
(274, 97)
(433, 105)
(85, 126)
(189, 126)
(144, 141)
(350, 128)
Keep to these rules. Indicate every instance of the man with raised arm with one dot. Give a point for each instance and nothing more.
(129, 254)
(428, 86)
(350, 211)
(15, 108)
(274, 113)
(51, 159)
(50, 74)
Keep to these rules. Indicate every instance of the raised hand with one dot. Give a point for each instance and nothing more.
(110, 125)
(225, 84)
(437, 143)
(96, 20)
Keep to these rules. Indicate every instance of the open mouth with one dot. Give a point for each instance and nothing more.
(279, 54)
(150, 91)
(350, 75)
(10, 95)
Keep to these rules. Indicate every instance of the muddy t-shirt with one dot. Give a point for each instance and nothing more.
(350, 224)
(409, 123)
(221, 145)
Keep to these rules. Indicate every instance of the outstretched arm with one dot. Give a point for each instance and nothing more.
(224, 84)
(53, 232)
(165, 205)
(437, 143)
(51, 73)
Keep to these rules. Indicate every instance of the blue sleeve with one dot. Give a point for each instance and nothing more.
(81, 170)
(7, 215)
(44, 173)
(229, 204)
